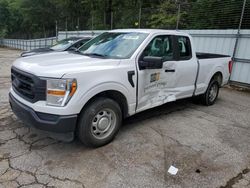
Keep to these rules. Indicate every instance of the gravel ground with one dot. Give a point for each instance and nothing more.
(209, 145)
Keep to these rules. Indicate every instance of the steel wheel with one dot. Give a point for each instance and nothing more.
(103, 123)
(99, 122)
(213, 92)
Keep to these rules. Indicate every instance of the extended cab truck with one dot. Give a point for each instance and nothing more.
(113, 76)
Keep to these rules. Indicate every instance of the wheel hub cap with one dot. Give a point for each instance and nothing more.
(103, 123)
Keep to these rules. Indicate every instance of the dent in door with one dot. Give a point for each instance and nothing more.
(154, 91)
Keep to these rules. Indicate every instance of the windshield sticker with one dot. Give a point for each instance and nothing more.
(130, 37)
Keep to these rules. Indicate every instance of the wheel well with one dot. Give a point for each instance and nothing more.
(116, 96)
(218, 77)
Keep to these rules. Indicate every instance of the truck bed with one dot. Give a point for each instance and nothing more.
(201, 55)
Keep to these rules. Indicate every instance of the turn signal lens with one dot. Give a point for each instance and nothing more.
(73, 88)
(56, 92)
(60, 91)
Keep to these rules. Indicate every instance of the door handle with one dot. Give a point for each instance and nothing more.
(130, 78)
(169, 70)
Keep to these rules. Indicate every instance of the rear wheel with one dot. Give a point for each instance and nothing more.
(211, 94)
(99, 122)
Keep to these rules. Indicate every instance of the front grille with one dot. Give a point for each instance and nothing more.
(23, 84)
(28, 86)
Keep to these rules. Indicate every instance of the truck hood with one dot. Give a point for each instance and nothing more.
(57, 64)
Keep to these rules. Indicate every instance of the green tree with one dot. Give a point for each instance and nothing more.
(165, 16)
(4, 17)
(37, 18)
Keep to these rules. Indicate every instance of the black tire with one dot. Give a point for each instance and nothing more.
(93, 119)
(196, 99)
(206, 98)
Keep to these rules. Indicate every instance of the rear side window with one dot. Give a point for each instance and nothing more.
(184, 46)
(80, 43)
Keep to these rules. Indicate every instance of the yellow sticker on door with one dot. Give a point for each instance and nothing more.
(154, 77)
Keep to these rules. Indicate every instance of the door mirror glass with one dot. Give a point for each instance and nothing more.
(151, 62)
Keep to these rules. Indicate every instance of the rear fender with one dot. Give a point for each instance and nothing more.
(213, 72)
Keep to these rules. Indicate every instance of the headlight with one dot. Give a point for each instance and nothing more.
(60, 91)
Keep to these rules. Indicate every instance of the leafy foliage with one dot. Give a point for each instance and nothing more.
(38, 18)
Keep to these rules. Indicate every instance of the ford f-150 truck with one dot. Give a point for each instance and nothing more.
(119, 73)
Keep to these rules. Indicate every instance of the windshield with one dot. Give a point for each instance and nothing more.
(114, 45)
(63, 44)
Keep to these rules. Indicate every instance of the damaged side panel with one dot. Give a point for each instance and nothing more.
(154, 89)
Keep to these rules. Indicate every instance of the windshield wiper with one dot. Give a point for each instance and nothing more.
(94, 54)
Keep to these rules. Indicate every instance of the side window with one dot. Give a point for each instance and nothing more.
(79, 44)
(160, 46)
(184, 46)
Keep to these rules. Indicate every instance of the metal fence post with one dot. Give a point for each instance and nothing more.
(178, 16)
(239, 28)
(66, 26)
(56, 31)
(238, 33)
(111, 20)
(92, 22)
(139, 17)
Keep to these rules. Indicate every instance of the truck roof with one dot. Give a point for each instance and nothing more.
(150, 31)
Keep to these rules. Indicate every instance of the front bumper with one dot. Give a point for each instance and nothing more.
(43, 121)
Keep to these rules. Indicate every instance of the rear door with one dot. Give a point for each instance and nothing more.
(186, 68)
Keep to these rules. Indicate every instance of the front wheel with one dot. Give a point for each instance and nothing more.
(211, 94)
(99, 122)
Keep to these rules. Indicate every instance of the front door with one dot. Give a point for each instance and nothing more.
(152, 83)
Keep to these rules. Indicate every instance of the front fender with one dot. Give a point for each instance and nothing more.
(85, 97)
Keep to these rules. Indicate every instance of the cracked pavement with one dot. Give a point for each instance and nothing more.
(209, 145)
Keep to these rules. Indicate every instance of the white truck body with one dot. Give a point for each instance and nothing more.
(148, 88)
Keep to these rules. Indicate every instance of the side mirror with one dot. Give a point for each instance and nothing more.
(150, 62)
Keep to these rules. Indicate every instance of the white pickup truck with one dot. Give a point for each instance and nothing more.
(113, 76)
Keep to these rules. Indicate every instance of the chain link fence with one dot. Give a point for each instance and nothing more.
(174, 14)
(169, 14)
(28, 44)
(165, 14)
